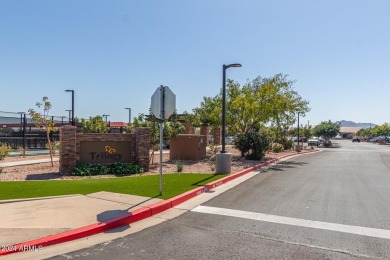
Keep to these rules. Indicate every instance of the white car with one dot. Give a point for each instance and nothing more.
(314, 141)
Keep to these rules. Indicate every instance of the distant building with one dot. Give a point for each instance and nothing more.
(117, 127)
(348, 131)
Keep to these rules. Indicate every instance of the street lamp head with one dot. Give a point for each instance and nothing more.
(69, 90)
(232, 65)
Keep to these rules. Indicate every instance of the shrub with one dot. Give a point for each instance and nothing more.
(277, 148)
(252, 144)
(88, 169)
(4, 151)
(179, 165)
(125, 169)
(288, 144)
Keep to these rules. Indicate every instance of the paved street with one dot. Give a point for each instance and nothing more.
(328, 205)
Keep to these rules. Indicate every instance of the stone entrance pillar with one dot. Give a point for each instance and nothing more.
(68, 149)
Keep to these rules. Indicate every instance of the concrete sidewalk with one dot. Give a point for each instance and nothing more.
(24, 220)
(28, 162)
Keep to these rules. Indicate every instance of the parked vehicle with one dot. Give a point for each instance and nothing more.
(383, 139)
(229, 139)
(302, 139)
(313, 141)
(356, 139)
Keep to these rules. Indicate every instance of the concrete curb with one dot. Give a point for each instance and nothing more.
(133, 216)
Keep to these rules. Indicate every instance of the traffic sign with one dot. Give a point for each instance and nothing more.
(163, 103)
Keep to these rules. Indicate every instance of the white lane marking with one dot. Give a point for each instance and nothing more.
(365, 231)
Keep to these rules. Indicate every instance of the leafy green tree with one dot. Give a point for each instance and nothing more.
(43, 120)
(257, 103)
(304, 130)
(94, 125)
(209, 112)
(365, 133)
(327, 129)
(382, 130)
(264, 100)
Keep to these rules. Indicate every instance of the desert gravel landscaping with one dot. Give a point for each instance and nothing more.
(44, 171)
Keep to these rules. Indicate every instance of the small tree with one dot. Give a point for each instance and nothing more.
(327, 130)
(44, 121)
(94, 125)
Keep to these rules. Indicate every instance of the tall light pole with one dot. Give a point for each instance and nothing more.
(71, 90)
(298, 132)
(224, 68)
(104, 115)
(129, 114)
(224, 159)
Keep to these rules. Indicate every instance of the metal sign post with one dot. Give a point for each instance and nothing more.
(163, 106)
(162, 92)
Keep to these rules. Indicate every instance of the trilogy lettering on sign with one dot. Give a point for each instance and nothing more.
(108, 154)
(105, 152)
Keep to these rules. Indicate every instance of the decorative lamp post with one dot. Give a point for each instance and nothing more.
(105, 116)
(224, 68)
(223, 159)
(129, 114)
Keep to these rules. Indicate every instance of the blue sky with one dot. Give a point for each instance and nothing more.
(114, 54)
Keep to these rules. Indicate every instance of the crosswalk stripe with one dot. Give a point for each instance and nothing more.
(357, 230)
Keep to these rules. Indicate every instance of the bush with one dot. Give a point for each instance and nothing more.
(288, 144)
(277, 148)
(179, 165)
(4, 151)
(125, 169)
(252, 144)
(88, 169)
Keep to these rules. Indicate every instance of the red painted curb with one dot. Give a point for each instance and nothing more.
(134, 216)
(160, 206)
(186, 196)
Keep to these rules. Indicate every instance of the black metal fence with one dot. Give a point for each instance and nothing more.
(19, 131)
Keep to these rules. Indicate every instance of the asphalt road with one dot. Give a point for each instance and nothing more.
(328, 205)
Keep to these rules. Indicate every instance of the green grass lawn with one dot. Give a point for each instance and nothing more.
(148, 186)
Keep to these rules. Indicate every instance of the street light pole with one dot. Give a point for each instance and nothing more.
(71, 90)
(129, 114)
(224, 68)
(104, 115)
(298, 128)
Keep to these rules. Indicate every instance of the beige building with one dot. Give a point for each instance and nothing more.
(348, 132)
